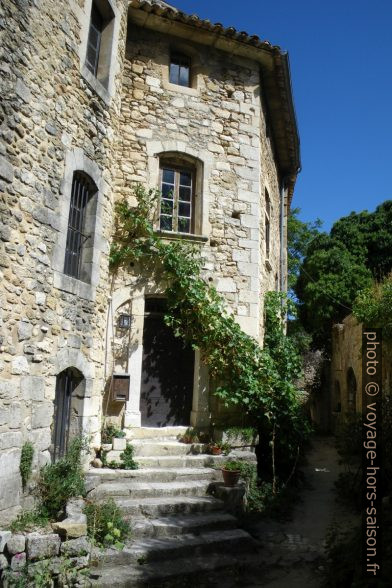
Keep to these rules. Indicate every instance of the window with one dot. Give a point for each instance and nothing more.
(100, 41)
(78, 232)
(94, 40)
(180, 70)
(177, 201)
(267, 223)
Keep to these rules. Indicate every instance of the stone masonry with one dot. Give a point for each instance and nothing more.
(236, 125)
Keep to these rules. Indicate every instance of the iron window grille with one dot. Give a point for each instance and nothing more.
(180, 70)
(94, 40)
(82, 190)
(177, 201)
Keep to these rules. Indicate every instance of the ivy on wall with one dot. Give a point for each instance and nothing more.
(261, 381)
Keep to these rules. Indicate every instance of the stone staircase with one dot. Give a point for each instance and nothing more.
(180, 533)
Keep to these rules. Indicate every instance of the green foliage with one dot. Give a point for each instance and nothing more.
(259, 380)
(128, 463)
(299, 236)
(191, 435)
(373, 306)
(110, 431)
(26, 462)
(62, 480)
(337, 266)
(232, 465)
(46, 574)
(29, 520)
(105, 524)
(245, 434)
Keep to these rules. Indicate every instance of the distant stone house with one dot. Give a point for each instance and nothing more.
(97, 96)
(346, 370)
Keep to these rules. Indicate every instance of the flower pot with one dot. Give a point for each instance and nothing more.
(230, 477)
(216, 451)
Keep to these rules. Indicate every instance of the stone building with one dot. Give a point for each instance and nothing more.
(98, 96)
(346, 370)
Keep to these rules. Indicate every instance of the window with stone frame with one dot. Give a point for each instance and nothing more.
(267, 235)
(100, 40)
(180, 70)
(177, 206)
(79, 232)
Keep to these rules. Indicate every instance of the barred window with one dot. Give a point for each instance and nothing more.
(177, 201)
(83, 189)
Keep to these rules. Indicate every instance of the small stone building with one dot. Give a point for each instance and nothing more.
(346, 370)
(98, 96)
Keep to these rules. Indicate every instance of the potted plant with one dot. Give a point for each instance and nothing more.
(218, 447)
(231, 471)
(190, 436)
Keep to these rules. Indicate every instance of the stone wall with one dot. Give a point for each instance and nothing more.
(347, 355)
(55, 119)
(219, 122)
(50, 115)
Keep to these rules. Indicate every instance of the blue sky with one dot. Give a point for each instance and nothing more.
(341, 66)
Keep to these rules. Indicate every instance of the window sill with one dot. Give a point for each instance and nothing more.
(180, 89)
(95, 85)
(73, 286)
(171, 236)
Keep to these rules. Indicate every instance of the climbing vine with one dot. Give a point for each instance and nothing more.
(259, 380)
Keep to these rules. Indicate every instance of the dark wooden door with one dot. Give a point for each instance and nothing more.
(66, 382)
(167, 374)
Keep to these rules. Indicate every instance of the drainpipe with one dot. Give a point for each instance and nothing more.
(282, 236)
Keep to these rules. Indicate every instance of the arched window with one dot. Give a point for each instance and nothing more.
(67, 410)
(80, 226)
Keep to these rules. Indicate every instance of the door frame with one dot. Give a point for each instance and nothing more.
(133, 296)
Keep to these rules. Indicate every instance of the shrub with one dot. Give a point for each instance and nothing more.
(62, 480)
(29, 520)
(26, 462)
(110, 431)
(128, 463)
(105, 524)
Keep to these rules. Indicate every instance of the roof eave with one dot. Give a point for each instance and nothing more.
(273, 62)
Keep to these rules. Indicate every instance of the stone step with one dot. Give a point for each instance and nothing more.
(180, 461)
(134, 489)
(154, 433)
(156, 507)
(144, 448)
(182, 524)
(192, 461)
(190, 544)
(191, 572)
(106, 475)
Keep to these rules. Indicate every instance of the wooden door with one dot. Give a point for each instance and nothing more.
(167, 372)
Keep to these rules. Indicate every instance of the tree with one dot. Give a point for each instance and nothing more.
(373, 306)
(299, 236)
(339, 265)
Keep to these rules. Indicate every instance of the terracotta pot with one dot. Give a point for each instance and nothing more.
(216, 450)
(230, 477)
